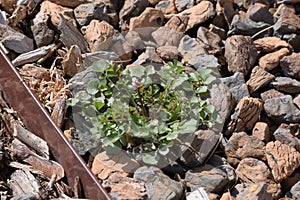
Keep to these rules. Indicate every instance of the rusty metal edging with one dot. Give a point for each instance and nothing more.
(37, 120)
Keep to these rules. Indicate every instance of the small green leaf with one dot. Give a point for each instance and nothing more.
(163, 150)
(137, 71)
(92, 86)
(100, 66)
(201, 89)
(99, 105)
(150, 70)
(210, 108)
(209, 80)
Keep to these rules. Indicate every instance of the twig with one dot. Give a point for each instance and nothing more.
(261, 31)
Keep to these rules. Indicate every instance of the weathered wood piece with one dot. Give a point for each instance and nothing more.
(31, 140)
(72, 61)
(58, 112)
(259, 77)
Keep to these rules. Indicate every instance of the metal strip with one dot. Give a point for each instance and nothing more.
(37, 120)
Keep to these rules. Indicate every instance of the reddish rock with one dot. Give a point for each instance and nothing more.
(288, 22)
(282, 159)
(258, 78)
(261, 131)
(290, 65)
(240, 54)
(259, 12)
(270, 44)
(285, 136)
(151, 17)
(271, 60)
(8, 5)
(177, 23)
(72, 61)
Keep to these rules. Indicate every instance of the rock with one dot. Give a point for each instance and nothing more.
(296, 101)
(177, 23)
(227, 196)
(206, 61)
(8, 5)
(77, 38)
(199, 13)
(286, 85)
(261, 131)
(85, 13)
(166, 6)
(290, 65)
(189, 48)
(154, 2)
(199, 194)
(201, 148)
(42, 34)
(271, 60)
(226, 7)
(237, 86)
(258, 78)
(295, 191)
(282, 109)
(251, 170)
(241, 25)
(123, 187)
(269, 94)
(18, 43)
(149, 57)
(222, 99)
(90, 58)
(168, 53)
(293, 39)
(151, 17)
(212, 179)
(259, 12)
(158, 185)
(32, 56)
(217, 30)
(211, 41)
(256, 191)
(72, 61)
(240, 54)
(270, 44)
(132, 8)
(164, 36)
(241, 145)
(288, 22)
(183, 4)
(3, 17)
(289, 182)
(54, 11)
(282, 160)
(134, 40)
(285, 136)
(97, 32)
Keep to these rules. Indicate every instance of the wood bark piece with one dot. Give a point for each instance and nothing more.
(58, 112)
(70, 35)
(30, 139)
(259, 77)
(72, 61)
(69, 3)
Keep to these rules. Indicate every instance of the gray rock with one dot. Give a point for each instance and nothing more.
(212, 179)
(240, 54)
(286, 84)
(2, 17)
(295, 191)
(293, 39)
(132, 8)
(288, 22)
(42, 34)
(296, 101)
(260, 13)
(207, 61)
(165, 36)
(290, 65)
(90, 58)
(84, 13)
(282, 109)
(285, 136)
(18, 42)
(158, 185)
(241, 25)
(183, 4)
(211, 41)
(189, 48)
(269, 94)
(237, 86)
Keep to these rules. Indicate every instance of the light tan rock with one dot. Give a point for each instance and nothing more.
(151, 17)
(72, 61)
(261, 131)
(270, 44)
(271, 60)
(258, 78)
(167, 52)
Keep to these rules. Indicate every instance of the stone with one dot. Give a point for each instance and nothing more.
(149, 57)
(282, 109)
(168, 53)
(212, 179)
(256, 191)
(241, 25)
(181, 5)
(158, 185)
(289, 182)
(67, 29)
(282, 160)
(271, 60)
(97, 32)
(288, 22)
(206, 61)
(240, 54)
(270, 44)
(200, 148)
(132, 8)
(8, 5)
(55, 11)
(269, 94)
(85, 13)
(222, 99)
(90, 58)
(293, 39)
(154, 2)
(259, 78)
(241, 145)
(123, 187)
(245, 115)
(199, 13)
(252, 170)
(42, 34)
(259, 12)
(165, 36)
(296, 101)
(3, 17)
(295, 191)
(151, 17)
(237, 86)
(177, 23)
(72, 61)
(285, 136)
(286, 85)
(290, 65)
(261, 131)
(226, 7)
(217, 30)
(166, 6)
(68, 3)
(18, 43)
(200, 193)
(211, 41)
(189, 48)
(134, 40)
(32, 56)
